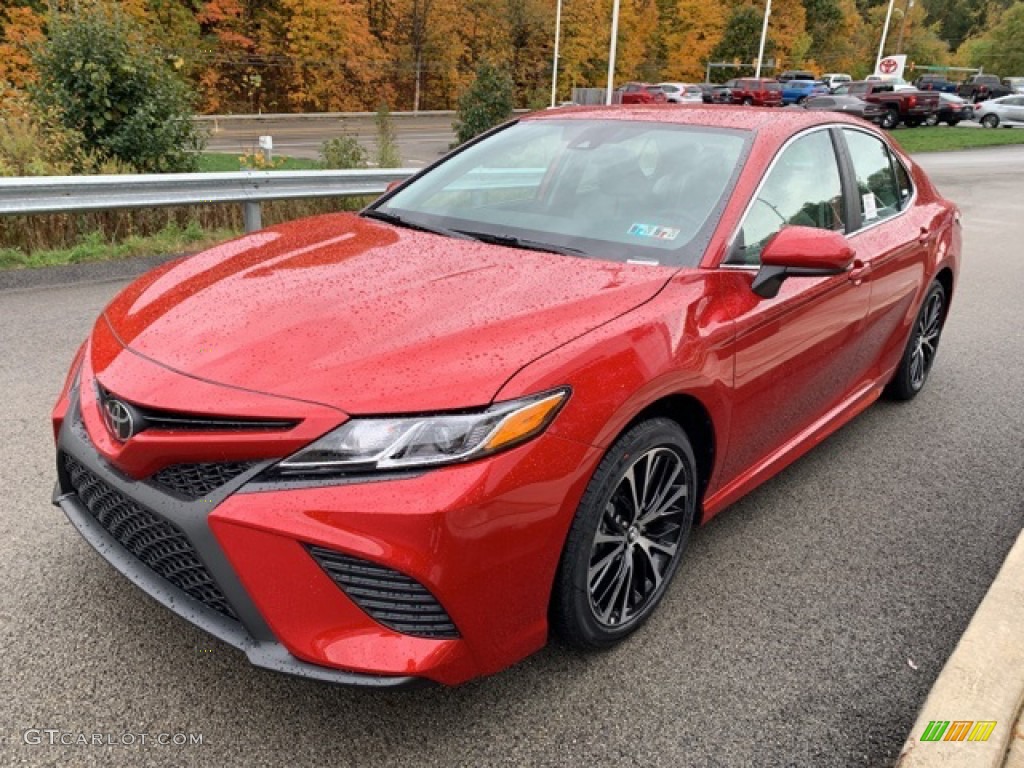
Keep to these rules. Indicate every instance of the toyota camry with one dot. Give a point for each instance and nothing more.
(408, 444)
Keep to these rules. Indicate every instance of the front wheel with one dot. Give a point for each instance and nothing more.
(990, 121)
(627, 539)
(922, 346)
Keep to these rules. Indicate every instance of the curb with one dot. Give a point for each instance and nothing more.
(982, 681)
(30, 279)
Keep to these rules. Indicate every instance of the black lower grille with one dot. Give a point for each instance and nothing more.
(193, 481)
(397, 601)
(158, 543)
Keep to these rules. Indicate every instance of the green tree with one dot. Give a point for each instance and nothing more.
(999, 50)
(741, 37)
(103, 80)
(486, 103)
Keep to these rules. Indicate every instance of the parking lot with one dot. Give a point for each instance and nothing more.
(805, 627)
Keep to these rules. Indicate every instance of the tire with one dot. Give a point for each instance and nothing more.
(801, 100)
(605, 590)
(747, 102)
(931, 120)
(890, 119)
(922, 346)
(990, 120)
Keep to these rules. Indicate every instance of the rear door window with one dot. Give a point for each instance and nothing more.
(883, 184)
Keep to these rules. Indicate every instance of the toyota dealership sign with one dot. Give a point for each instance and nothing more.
(891, 67)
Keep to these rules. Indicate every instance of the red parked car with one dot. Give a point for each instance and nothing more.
(407, 444)
(642, 93)
(758, 92)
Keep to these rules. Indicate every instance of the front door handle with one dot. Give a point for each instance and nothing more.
(924, 236)
(858, 270)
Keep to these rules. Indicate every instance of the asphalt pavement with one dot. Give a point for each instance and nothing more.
(805, 626)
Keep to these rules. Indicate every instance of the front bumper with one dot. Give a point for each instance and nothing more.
(484, 538)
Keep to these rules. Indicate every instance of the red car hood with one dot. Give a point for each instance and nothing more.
(369, 318)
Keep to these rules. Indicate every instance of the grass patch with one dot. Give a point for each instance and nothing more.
(219, 162)
(942, 138)
(95, 247)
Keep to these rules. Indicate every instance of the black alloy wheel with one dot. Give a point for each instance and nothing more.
(627, 539)
(922, 346)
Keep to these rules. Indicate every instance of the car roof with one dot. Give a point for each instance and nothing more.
(758, 119)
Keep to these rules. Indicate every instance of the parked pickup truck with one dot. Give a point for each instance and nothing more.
(935, 83)
(980, 87)
(902, 103)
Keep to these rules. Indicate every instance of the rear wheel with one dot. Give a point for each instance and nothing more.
(627, 539)
(931, 120)
(748, 101)
(890, 119)
(990, 121)
(922, 346)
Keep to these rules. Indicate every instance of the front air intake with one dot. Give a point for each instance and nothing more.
(393, 599)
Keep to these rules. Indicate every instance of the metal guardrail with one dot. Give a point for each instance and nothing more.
(71, 194)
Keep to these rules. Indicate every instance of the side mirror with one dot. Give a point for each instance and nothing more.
(801, 252)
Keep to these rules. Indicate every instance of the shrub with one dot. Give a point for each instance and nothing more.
(103, 81)
(486, 103)
(343, 152)
(388, 155)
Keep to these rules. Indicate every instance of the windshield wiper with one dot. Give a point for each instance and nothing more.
(398, 221)
(510, 241)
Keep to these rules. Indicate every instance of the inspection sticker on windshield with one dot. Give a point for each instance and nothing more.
(653, 230)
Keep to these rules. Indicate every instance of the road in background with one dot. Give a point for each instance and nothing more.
(805, 626)
(421, 138)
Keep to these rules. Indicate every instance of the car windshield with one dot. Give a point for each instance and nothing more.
(612, 189)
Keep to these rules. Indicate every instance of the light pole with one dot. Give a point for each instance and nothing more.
(611, 52)
(903, 25)
(885, 32)
(764, 36)
(554, 66)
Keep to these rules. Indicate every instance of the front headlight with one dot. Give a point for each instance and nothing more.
(409, 442)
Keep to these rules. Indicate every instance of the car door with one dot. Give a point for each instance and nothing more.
(892, 238)
(798, 355)
(1016, 108)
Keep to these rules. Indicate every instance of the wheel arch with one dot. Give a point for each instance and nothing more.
(945, 279)
(695, 420)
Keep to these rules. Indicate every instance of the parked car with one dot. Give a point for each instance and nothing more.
(679, 93)
(849, 105)
(901, 103)
(641, 93)
(717, 94)
(404, 444)
(1006, 111)
(952, 110)
(1015, 84)
(935, 83)
(759, 92)
(980, 87)
(795, 74)
(833, 80)
(796, 91)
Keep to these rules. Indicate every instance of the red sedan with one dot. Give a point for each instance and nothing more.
(407, 444)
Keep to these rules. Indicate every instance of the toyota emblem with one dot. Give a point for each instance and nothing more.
(119, 419)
